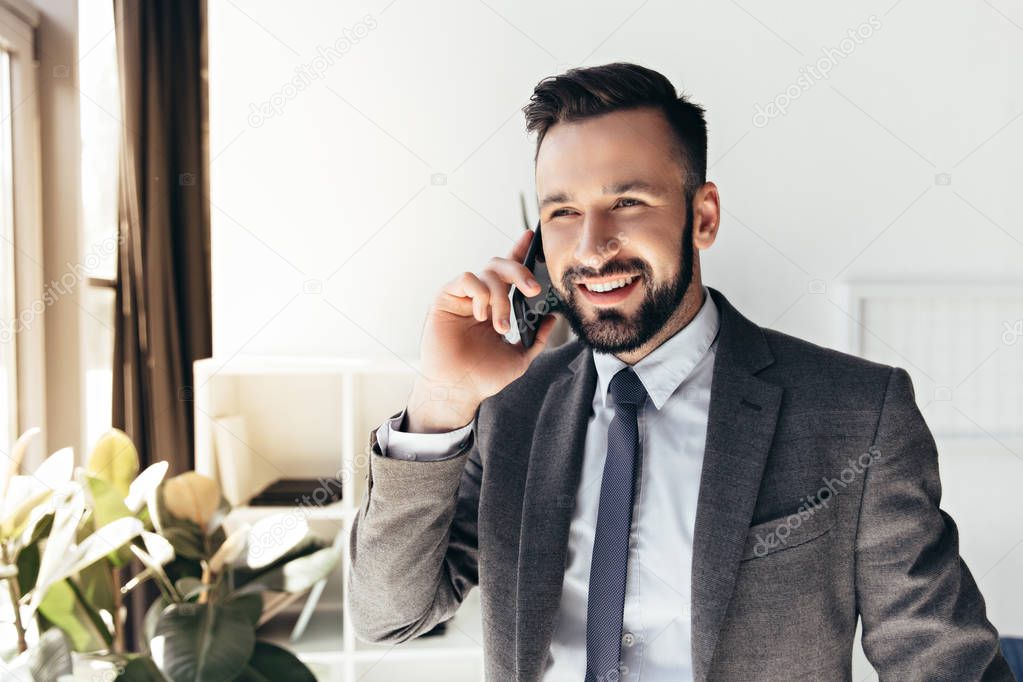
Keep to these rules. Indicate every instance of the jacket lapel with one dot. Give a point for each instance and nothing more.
(555, 466)
(741, 424)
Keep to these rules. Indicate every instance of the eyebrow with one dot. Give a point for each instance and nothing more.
(617, 188)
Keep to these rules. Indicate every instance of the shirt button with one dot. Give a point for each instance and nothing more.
(628, 639)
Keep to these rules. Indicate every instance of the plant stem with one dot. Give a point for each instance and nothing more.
(90, 611)
(115, 579)
(207, 577)
(12, 584)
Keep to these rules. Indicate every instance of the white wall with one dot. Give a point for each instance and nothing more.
(845, 178)
(842, 187)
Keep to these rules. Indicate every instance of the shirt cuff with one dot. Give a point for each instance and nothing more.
(425, 447)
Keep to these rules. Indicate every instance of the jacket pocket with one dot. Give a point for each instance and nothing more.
(785, 532)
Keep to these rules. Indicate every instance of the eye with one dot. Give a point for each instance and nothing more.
(558, 212)
(637, 201)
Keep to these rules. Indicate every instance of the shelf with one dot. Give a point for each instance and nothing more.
(312, 417)
(463, 638)
(324, 521)
(321, 642)
(336, 511)
(251, 365)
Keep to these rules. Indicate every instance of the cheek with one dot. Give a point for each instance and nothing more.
(557, 256)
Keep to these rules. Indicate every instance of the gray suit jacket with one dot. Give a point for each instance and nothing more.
(777, 583)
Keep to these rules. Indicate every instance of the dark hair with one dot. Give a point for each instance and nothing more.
(580, 93)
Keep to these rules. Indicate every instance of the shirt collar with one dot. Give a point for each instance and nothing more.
(667, 366)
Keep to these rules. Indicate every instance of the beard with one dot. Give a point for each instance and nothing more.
(612, 331)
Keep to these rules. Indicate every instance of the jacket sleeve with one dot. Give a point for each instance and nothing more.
(413, 545)
(923, 615)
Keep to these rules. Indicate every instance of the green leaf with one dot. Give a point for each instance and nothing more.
(96, 586)
(186, 539)
(61, 607)
(56, 470)
(144, 517)
(39, 524)
(20, 495)
(152, 617)
(297, 575)
(158, 549)
(107, 503)
(58, 545)
(191, 497)
(108, 506)
(183, 568)
(28, 567)
(19, 505)
(41, 529)
(251, 604)
(189, 588)
(145, 485)
(141, 669)
(245, 574)
(273, 537)
(15, 458)
(271, 663)
(97, 546)
(115, 460)
(214, 540)
(204, 642)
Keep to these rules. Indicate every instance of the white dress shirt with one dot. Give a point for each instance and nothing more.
(672, 432)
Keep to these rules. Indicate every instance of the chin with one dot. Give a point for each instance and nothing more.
(610, 333)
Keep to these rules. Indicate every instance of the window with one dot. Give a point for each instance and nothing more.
(22, 363)
(8, 321)
(101, 138)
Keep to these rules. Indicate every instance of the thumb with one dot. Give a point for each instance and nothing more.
(543, 332)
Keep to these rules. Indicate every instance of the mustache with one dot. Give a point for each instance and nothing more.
(626, 267)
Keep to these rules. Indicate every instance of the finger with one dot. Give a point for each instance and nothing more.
(514, 272)
(499, 304)
(468, 285)
(543, 332)
(518, 252)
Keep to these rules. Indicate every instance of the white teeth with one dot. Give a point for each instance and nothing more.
(608, 286)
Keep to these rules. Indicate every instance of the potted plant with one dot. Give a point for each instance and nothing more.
(68, 536)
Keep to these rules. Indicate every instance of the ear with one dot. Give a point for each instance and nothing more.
(706, 215)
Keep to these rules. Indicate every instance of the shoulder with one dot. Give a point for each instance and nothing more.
(827, 379)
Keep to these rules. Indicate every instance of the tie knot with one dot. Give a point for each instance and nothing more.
(626, 388)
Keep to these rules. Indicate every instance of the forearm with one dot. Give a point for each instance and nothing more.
(413, 544)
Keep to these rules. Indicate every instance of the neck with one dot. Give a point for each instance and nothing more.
(691, 303)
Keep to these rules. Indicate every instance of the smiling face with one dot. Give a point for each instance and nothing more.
(613, 209)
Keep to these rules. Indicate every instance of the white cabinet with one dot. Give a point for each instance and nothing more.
(311, 418)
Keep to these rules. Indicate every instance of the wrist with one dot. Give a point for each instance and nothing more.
(438, 409)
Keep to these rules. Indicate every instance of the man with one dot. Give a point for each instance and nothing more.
(677, 493)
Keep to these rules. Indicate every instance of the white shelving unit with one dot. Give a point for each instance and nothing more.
(311, 418)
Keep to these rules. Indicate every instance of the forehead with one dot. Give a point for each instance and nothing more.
(602, 149)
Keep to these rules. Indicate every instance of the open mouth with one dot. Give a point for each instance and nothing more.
(609, 292)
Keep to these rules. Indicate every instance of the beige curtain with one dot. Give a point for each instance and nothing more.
(163, 284)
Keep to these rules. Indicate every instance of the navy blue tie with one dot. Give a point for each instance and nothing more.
(609, 564)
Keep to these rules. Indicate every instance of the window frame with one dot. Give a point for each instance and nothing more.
(18, 23)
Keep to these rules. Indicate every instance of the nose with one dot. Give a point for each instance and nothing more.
(593, 247)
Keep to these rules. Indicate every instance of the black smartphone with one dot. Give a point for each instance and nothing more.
(530, 310)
